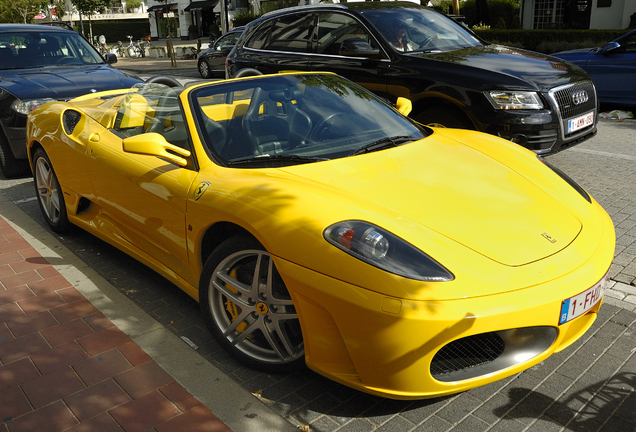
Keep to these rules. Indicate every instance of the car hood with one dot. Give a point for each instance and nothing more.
(456, 191)
(577, 54)
(61, 82)
(505, 67)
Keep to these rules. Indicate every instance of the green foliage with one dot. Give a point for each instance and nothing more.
(21, 11)
(244, 17)
(118, 30)
(503, 14)
(549, 41)
(133, 4)
(89, 7)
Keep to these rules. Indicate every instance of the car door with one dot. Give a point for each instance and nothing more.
(221, 48)
(334, 33)
(142, 198)
(614, 71)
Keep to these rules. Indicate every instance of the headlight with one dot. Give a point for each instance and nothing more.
(511, 100)
(25, 107)
(386, 251)
(567, 178)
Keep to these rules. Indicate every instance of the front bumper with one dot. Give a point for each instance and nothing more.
(387, 346)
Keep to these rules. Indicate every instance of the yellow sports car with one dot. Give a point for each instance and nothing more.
(317, 224)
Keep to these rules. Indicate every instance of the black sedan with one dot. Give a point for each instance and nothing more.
(212, 60)
(613, 69)
(39, 64)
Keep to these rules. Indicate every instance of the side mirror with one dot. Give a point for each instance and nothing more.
(404, 105)
(110, 58)
(356, 47)
(154, 144)
(609, 47)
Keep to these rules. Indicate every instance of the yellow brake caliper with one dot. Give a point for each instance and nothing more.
(231, 307)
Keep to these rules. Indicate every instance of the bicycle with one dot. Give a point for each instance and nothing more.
(99, 42)
(134, 50)
(119, 50)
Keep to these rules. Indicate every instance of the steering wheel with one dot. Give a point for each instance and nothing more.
(164, 79)
(68, 60)
(427, 41)
(325, 124)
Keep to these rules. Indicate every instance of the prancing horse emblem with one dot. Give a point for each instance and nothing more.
(550, 239)
(203, 186)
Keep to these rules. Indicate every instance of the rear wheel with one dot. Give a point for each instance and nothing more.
(49, 192)
(443, 117)
(204, 69)
(248, 308)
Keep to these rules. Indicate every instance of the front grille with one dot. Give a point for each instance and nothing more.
(466, 353)
(565, 102)
(71, 119)
(564, 98)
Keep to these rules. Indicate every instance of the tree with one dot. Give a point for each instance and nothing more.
(89, 7)
(21, 10)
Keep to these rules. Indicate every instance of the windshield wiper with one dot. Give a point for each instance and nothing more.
(383, 143)
(266, 160)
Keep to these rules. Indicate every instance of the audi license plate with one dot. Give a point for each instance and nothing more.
(581, 303)
(581, 122)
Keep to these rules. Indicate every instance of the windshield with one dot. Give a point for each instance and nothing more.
(417, 29)
(291, 119)
(33, 49)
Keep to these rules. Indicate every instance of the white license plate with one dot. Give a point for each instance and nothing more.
(581, 303)
(580, 122)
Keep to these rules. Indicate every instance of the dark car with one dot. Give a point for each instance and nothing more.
(212, 60)
(612, 67)
(453, 78)
(38, 64)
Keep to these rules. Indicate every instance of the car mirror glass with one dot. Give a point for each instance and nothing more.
(356, 47)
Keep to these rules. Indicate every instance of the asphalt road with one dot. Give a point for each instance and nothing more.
(587, 387)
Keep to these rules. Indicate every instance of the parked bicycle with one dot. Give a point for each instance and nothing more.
(99, 42)
(134, 49)
(119, 50)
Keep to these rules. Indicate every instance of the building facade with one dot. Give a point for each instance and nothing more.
(578, 14)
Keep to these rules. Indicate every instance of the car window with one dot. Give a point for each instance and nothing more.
(153, 108)
(228, 39)
(628, 44)
(37, 49)
(290, 33)
(334, 28)
(288, 118)
(410, 29)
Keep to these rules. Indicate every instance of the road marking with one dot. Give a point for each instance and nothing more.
(602, 153)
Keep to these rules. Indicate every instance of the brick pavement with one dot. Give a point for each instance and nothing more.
(64, 366)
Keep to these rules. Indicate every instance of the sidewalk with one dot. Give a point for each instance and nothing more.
(76, 355)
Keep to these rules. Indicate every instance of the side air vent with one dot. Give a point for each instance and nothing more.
(70, 119)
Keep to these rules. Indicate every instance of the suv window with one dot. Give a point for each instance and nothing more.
(334, 28)
(288, 33)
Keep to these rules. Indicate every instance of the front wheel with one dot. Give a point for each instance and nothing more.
(204, 69)
(248, 308)
(133, 52)
(49, 193)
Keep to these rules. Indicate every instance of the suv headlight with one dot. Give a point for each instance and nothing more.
(511, 100)
(25, 107)
(385, 251)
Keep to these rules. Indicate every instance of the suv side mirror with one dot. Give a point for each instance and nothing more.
(609, 47)
(356, 47)
(110, 58)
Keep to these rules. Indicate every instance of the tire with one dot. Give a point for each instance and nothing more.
(204, 69)
(247, 72)
(10, 166)
(133, 53)
(49, 193)
(256, 323)
(443, 117)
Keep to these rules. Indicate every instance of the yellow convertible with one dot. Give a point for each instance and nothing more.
(317, 224)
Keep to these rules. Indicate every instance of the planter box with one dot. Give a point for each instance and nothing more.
(156, 52)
